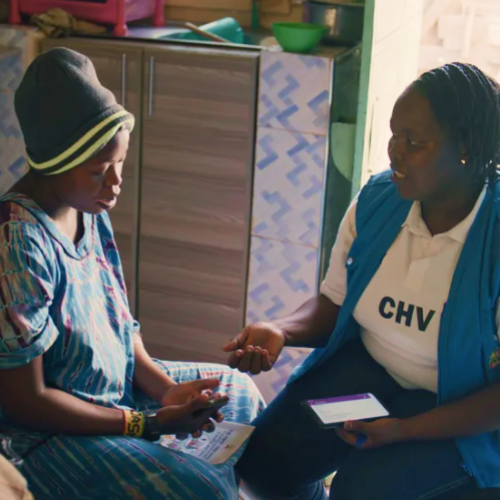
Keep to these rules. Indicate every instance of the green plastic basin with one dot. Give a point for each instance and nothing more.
(298, 37)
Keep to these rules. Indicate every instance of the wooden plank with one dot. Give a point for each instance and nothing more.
(266, 6)
(271, 11)
(275, 6)
(202, 16)
(244, 5)
(196, 195)
(296, 15)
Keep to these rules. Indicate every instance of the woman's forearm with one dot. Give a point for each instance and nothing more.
(58, 412)
(475, 414)
(312, 324)
(148, 376)
(27, 402)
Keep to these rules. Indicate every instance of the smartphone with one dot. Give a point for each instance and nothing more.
(333, 412)
(212, 406)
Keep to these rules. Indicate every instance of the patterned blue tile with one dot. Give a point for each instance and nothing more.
(12, 151)
(11, 70)
(12, 161)
(272, 382)
(26, 38)
(282, 277)
(295, 92)
(11, 36)
(288, 186)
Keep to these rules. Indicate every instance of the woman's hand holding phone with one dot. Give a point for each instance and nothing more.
(192, 417)
(367, 435)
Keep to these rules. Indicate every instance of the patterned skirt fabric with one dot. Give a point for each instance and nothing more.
(118, 468)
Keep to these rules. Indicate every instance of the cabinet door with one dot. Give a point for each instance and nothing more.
(197, 157)
(119, 69)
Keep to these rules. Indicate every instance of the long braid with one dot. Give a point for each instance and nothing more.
(466, 103)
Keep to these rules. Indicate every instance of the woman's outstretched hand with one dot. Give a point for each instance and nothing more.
(256, 349)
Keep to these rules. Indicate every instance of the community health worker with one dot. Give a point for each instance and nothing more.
(408, 311)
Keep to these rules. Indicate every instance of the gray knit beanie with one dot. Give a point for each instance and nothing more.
(65, 114)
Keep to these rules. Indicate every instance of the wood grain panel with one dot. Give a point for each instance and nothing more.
(196, 187)
(119, 68)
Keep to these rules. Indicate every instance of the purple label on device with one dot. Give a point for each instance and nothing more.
(341, 399)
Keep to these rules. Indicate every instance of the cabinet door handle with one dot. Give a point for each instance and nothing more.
(124, 80)
(151, 83)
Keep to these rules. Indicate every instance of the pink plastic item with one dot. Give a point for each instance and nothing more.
(116, 12)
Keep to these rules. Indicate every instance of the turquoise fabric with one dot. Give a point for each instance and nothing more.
(119, 468)
(69, 303)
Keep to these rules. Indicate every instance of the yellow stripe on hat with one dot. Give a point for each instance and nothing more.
(78, 144)
(96, 146)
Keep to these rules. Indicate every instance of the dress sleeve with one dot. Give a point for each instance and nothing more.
(27, 284)
(334, 287)
(137, 328)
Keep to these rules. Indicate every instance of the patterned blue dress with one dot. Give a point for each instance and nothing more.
(68, 302)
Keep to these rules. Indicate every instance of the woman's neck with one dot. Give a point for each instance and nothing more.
(445, 212)
(39, 189)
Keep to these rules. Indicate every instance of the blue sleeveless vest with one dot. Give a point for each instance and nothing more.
(468, 347)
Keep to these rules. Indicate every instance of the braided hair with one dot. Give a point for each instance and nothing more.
(466, 103)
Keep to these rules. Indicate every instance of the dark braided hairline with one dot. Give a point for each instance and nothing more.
(466, 103)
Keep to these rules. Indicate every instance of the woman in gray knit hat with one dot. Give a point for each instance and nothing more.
(79, 394)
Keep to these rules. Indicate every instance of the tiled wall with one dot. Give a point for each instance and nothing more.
(12, 162)
(283, 277)
(288, 186)
(293, 122)
(18, 46)
(289, 181)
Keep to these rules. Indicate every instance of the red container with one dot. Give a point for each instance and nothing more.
(115, 12)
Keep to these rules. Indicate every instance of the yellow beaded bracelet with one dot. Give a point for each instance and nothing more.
(133, 423)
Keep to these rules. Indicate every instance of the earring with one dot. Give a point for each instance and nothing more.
(463, 162)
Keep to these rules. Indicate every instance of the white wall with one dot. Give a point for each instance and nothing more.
(461, 30)
(389, 65)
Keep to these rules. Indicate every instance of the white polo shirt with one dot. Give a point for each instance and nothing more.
(400, 310)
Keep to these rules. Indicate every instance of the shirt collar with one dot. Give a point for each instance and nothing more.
(416, 225)
(77, 251)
